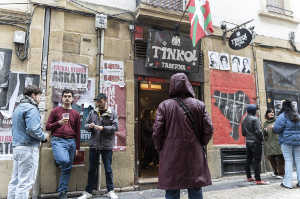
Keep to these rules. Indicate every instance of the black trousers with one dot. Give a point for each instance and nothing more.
(94, 172)
(254, 152)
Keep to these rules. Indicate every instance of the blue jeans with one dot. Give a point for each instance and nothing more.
(194, 193)
(93, 174)
(63, 152)
(290, 154)
(25, 166)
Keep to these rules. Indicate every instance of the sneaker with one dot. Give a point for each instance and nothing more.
(112, 195)
(286, 187)
(62, 195)
(85, 195)
(260, 182)
(278, 177)
(250, 180)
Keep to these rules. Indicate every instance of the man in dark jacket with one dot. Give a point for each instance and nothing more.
(102, 123)
(251, 129)
(182, 163)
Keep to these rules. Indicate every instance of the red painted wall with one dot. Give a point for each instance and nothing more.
(229, 83)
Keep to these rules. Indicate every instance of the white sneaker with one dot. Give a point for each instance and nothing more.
(112, 195)
(85, 195)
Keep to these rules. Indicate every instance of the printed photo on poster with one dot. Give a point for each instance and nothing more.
(236, 64)
(214, 60)
(5, 61)
(224, 61)
(17, 83)
(113, 85)
(246, 65)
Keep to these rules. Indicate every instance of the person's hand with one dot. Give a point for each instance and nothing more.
(99, 128)
(63, 121)
(91, 125)
(47, 139)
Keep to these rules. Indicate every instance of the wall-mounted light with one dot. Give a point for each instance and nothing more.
(150, 86)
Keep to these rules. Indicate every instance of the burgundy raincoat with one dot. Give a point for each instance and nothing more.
(182, 162)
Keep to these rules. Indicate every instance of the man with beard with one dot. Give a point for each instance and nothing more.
(102, 123)
(64, 124)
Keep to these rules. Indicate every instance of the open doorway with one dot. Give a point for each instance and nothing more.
(150, 93)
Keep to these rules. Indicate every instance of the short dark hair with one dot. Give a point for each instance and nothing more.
(101, 96)
(236, 59)
(269, 110)
(67, 91)
(32, 89)
(223, 56)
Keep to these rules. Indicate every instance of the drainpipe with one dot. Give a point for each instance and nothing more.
(44, 68)
(100, 49)
(100, 54)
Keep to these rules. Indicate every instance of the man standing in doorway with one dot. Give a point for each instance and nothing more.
(102, 123)
(181, 141)
(27, 135)
(64, 124)
(251, 129)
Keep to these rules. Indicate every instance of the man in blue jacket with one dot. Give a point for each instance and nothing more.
(27, 135)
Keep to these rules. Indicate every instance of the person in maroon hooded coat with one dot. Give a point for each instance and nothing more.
(182, 161)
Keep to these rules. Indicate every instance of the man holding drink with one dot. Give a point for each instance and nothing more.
(64, 124)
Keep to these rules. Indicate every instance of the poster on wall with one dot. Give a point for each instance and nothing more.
(224, 61)
(112, 83)
(229, 102)
(240, 64)
(17, 83)
(5, 61)
(214, 61)
(68, 75)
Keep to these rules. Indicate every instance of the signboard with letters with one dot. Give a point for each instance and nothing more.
(240, 38)
(169, 51)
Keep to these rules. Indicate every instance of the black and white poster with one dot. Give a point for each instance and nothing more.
(214, 60)
(5, 61)
(16, 84)
(240, 64)
(224, 61)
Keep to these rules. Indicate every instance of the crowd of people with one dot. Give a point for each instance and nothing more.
(180, 134)
(281, 140)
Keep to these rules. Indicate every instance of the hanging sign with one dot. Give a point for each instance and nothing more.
(168, 51)
(240, 38)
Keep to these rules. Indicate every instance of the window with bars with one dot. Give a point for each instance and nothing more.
(278, 7)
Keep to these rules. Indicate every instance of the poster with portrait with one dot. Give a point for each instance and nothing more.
(214, 60)
(5, 61)
(236, 64)
(83, 103)
(113, 85)
(224, 61)
(246, 65)
(16, 85)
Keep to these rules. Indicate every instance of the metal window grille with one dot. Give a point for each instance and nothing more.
(177, 5)
(278, 6)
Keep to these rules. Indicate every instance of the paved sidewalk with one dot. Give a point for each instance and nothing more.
(226, 188)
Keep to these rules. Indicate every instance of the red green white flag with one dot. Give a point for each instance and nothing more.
(200, 19)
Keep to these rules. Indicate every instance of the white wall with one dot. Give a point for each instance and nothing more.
(239, 11)
(121, 4)
(12, 5)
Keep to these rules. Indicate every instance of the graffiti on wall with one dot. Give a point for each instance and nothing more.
(233, 107)
(229, 102)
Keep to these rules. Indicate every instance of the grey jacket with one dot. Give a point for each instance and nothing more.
(102, 140)
(251, 129)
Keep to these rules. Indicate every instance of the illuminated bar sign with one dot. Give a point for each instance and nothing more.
(169, 51)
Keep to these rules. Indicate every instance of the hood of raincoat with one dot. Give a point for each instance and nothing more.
(180, 86)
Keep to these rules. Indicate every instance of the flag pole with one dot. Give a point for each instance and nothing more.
(178, 23)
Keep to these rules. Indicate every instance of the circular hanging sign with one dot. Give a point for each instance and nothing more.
(240, 38)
